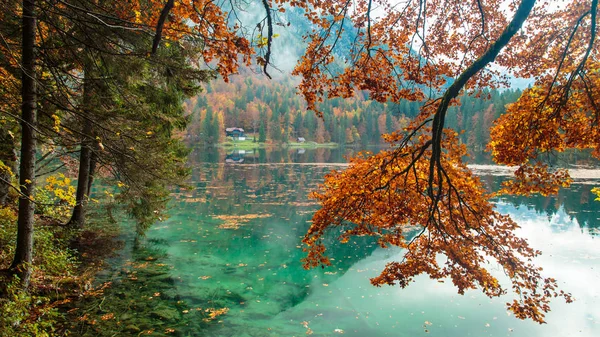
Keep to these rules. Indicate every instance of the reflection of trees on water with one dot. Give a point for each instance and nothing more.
(577, 201)
(274, 155)
(240, 226)
(232, 186)
(261, 185)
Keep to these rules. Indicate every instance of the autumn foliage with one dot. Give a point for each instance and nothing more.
(386, 196)
(420, 195)
(201, 19)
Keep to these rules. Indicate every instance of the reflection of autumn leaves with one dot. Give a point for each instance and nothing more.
(236, 221)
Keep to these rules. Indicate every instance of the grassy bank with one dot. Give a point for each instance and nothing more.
(311, 145)
(74, 292)
(66, 261)
(247, 144)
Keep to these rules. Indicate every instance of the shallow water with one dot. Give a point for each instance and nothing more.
(234, 240)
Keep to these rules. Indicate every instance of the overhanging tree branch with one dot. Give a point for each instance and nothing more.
(522, 13)
(160, 24)
(269, 36)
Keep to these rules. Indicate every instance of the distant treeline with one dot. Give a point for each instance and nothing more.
(270, 111)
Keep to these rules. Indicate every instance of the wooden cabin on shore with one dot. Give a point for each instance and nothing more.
(235, 133)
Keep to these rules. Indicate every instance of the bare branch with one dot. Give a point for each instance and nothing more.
(269, 36)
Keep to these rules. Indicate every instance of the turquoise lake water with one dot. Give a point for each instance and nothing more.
(234, 240)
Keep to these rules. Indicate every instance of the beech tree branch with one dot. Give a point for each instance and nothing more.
(522, 13)
(160, 24)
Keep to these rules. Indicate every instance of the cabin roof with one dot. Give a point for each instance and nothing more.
(234, 129)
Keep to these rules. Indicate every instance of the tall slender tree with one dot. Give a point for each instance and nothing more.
(21, 265)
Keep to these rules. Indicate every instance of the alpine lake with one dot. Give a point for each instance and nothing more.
(227, 261)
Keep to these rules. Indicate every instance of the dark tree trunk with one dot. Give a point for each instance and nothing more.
(83, 180)
(21, 265)
(93, 163)
(85, 156)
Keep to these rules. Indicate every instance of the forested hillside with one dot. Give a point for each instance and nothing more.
(271, 111)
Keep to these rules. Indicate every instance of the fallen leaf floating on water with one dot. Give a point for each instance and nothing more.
(230, 225)
(194, 200)
(236, 221)
(107, 316)
(308, 330)
(243, 217)
(214, 313)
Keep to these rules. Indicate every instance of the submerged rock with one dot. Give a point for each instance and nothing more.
(234, 297)
(165, 313)
(132, 329)
(162, 279)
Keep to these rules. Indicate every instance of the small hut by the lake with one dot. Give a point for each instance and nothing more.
(235, 133)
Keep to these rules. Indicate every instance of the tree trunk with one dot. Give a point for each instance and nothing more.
(85, 156)
(83, 180)
(93, 163)
(21, 265)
